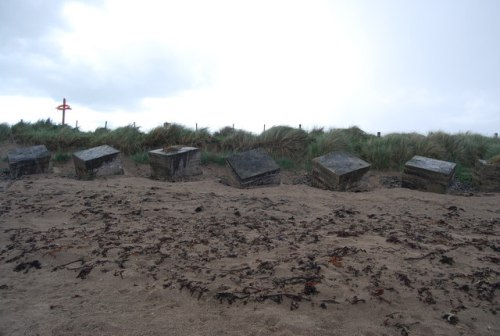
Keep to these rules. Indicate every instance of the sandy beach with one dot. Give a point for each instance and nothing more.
(128, 255)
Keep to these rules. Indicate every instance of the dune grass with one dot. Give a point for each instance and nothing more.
(5, 132)
(140, 157)
(218, 158)
(292, 148)
(61, 157)
(495, 160)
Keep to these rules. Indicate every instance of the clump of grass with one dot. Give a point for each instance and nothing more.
(175, 134)
(378, 153)
(62, 157)
(287, 164)
(452, 146)
(140, 157)
(402, 147)
(463, 174)
(394, 150)
(128, 139)
(493, 149)
(5, 132)
(225, 132)
(198, 138)
(495, 160)
(285, 142)
(54, 137)
(237, 140)
(333, 140)
(213, 157)
(352, 140)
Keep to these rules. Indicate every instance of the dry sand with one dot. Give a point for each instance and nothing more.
(128, 255)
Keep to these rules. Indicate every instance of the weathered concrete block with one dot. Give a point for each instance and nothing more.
(486, 176)
(252, 168)
(428, 174)
(98, 161)
(338, 171)
(28, 160)
(175, 162)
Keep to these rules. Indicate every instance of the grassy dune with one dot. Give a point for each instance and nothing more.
(292, 148)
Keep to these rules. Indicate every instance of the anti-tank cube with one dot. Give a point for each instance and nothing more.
(426, 174)
(28, 160)
(253, 168)
(98, 161)
(339, 171)
(175, 162)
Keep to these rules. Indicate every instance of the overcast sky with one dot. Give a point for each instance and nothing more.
(382, 65)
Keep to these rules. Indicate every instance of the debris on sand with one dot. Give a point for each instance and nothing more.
(401, 258)
(26, 266)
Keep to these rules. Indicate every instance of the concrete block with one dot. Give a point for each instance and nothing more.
(486, 176)
(426, 174)
(253, 168)
(338, 171)
(98, 161)
(175, 162)
(28, 160)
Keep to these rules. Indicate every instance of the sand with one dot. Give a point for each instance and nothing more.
(128, 255)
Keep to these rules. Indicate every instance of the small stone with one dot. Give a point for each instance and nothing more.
(450, 318)
(447, 260)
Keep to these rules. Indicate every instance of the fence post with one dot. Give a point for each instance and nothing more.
(264, 127)
(76, 124)
(105, 125)
(196, 127)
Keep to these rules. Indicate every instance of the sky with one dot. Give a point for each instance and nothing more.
(382, 65)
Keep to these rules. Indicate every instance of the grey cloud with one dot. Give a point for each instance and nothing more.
(30, 64)
(122, 85)
(27, 20)
(447, 44)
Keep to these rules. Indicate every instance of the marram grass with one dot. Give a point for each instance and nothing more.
(292, 147)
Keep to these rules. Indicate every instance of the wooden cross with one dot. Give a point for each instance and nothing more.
(63, 108)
